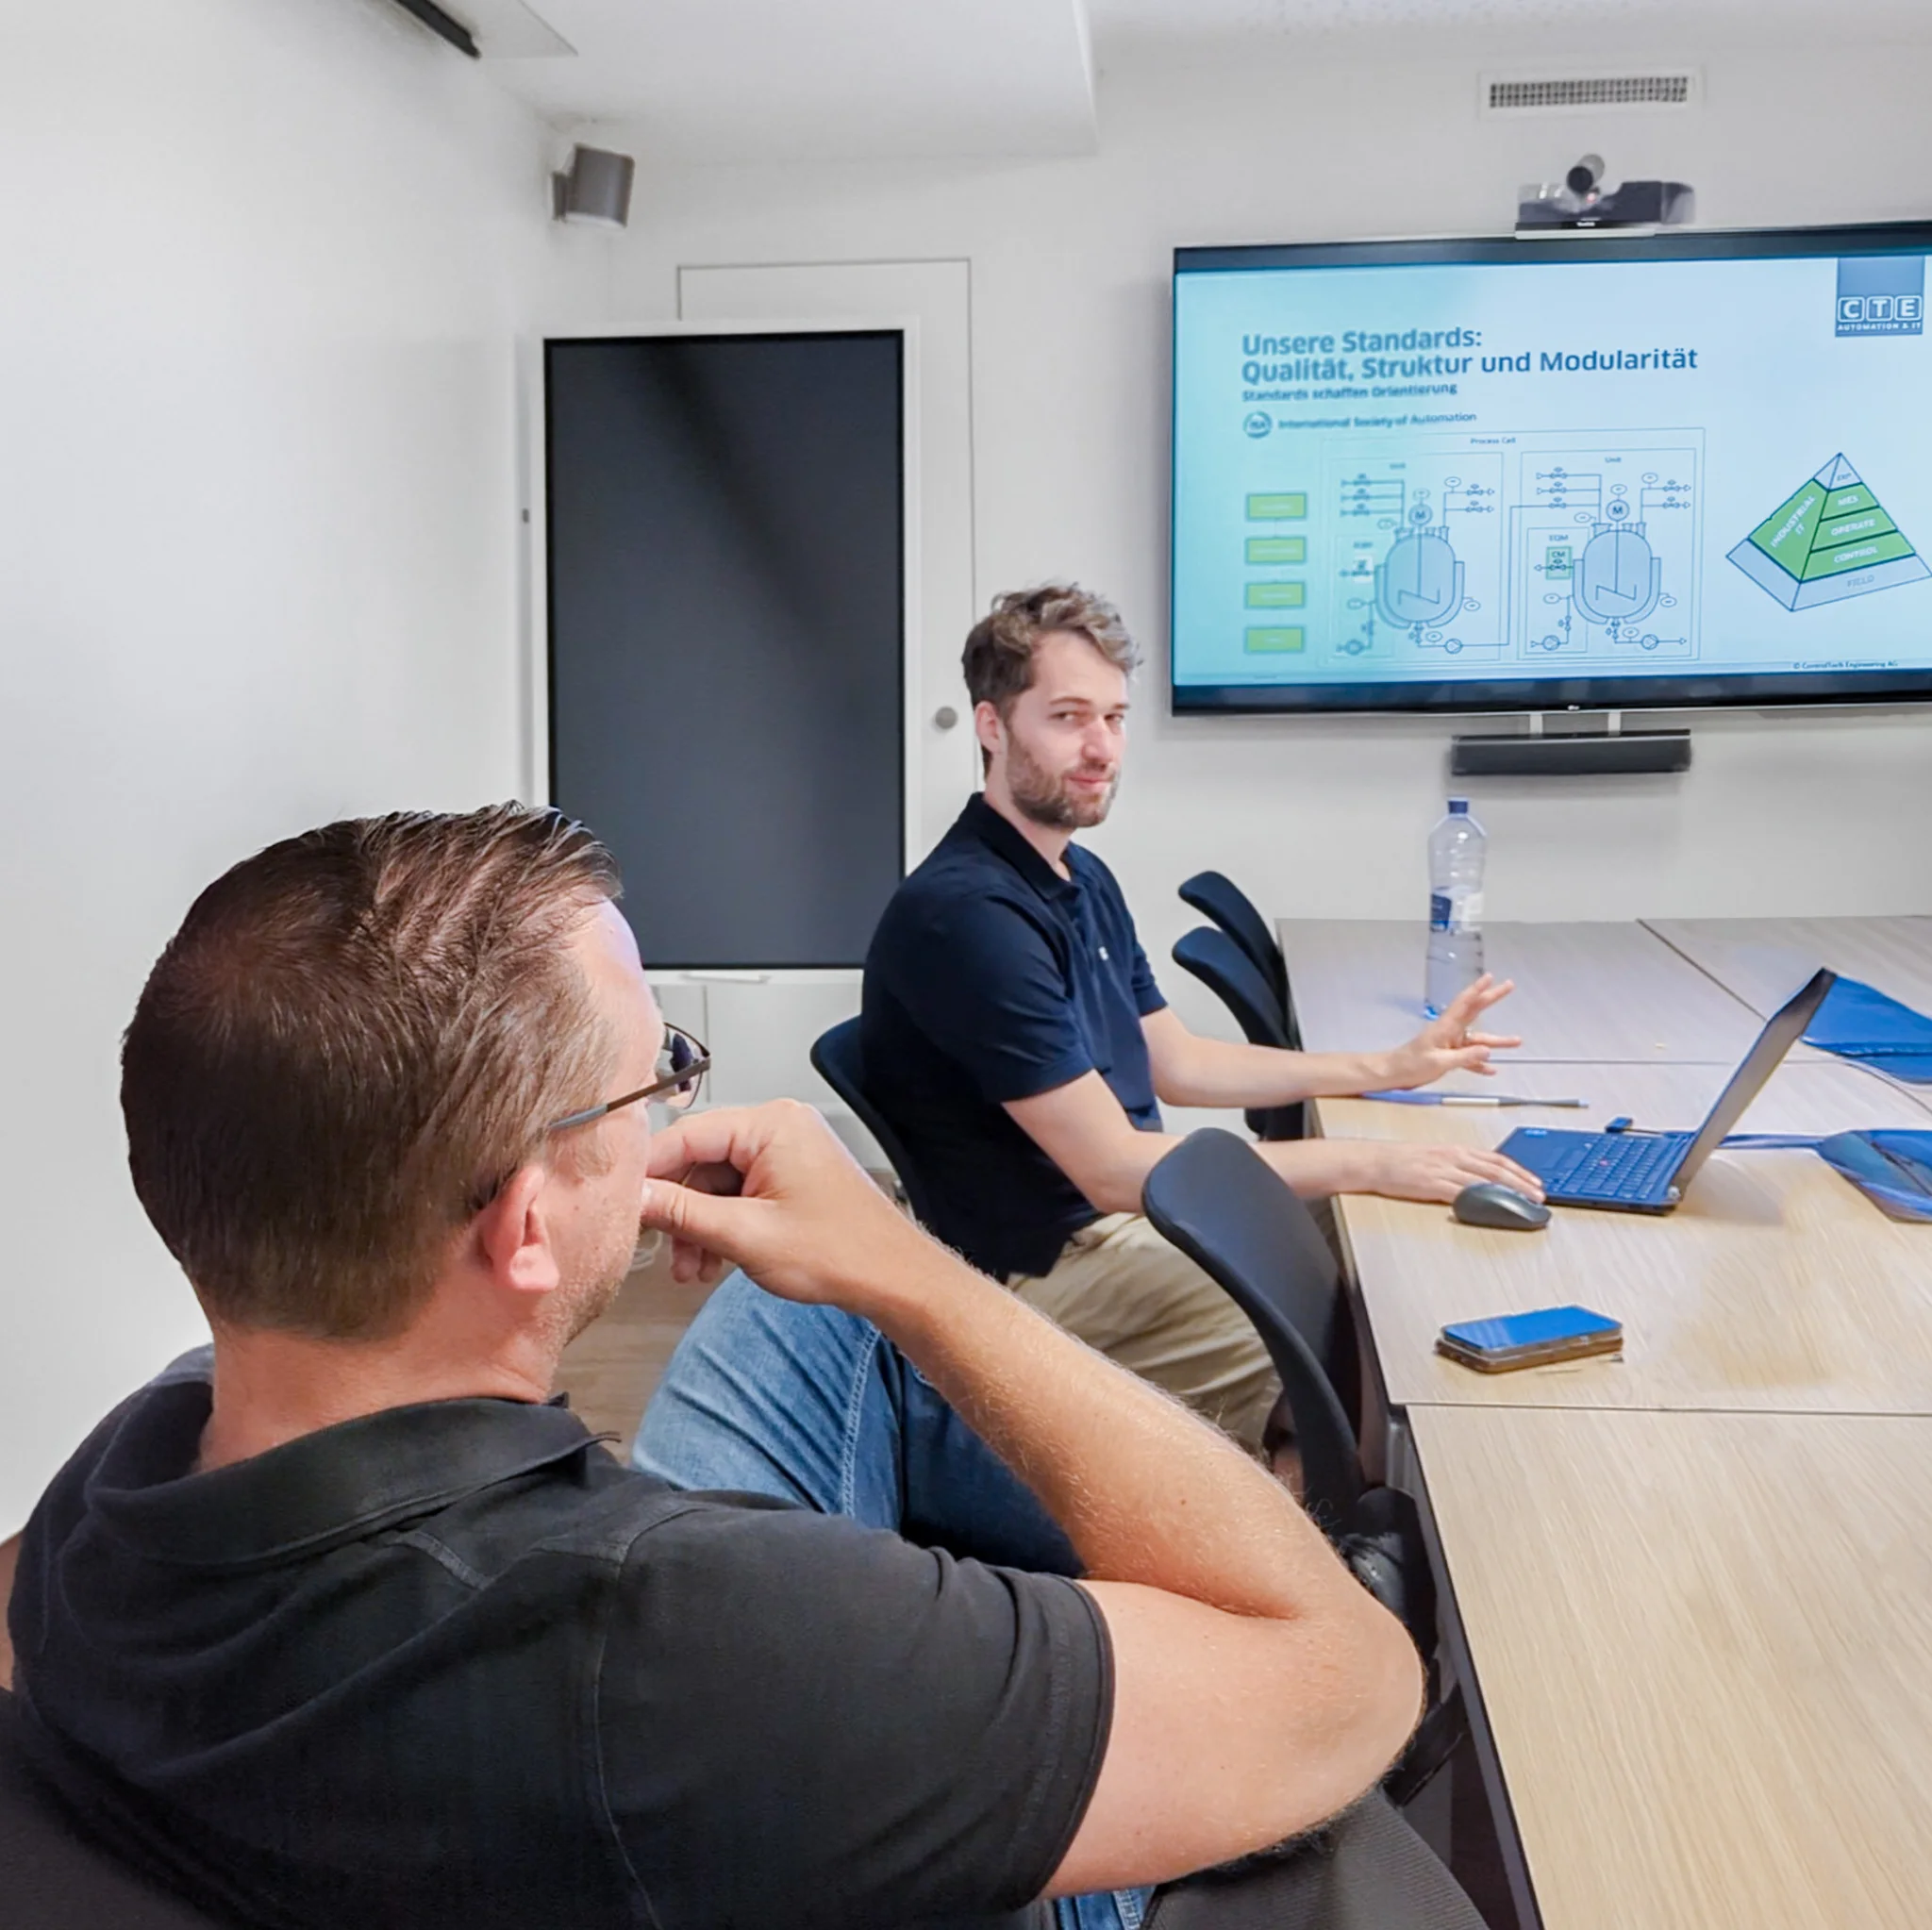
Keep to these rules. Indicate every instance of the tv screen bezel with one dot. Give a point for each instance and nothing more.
(1737, 691)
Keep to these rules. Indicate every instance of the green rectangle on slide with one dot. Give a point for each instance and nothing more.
(1785, 535)
(1294, 638)
(1277, 549)
(1842, 502)
(1837, 529)
(1277, 595)
(1856, 555)
(1290, 507)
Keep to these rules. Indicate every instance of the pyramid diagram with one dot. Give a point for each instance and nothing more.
(1828, 541)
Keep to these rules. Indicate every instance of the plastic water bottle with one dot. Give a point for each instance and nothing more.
(1457, 847)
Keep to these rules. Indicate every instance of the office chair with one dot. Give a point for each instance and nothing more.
(52, 1875)
(1225, 968)
(1221, 900)
(835, 1058)
(1216, 1199)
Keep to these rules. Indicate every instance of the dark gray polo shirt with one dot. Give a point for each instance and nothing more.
(451, 1665)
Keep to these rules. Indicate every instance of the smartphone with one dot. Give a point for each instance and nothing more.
(1530, 1340)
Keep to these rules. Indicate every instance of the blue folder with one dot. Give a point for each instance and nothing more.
(1857, 1023)
(1892, 1167)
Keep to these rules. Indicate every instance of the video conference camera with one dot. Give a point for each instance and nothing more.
(1579, 201)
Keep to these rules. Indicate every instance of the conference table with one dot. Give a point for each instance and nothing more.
(1691, 1590)
(1704, 1648)
(1583, 990)
(1761, 961)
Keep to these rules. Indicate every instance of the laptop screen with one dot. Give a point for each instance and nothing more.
(1782, 1031)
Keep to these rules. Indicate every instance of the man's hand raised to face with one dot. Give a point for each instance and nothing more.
(770, 1188)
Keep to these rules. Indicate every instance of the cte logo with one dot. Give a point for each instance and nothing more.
(1881, 294)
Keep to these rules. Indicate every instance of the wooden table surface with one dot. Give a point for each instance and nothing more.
(1593, 991)
(1763, 960)
(1704, 1643)
(1777, 1285)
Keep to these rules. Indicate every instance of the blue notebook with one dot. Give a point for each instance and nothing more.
(1857, 1023)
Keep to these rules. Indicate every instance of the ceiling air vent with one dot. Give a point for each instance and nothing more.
(1589, 93)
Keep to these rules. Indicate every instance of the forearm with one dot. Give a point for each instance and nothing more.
(1213, 1071)
(1146, 1492)
(1112, 1176)
(1318, 1169)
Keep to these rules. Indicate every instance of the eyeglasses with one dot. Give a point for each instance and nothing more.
(682, 1063)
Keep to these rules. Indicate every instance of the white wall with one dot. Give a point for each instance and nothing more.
(1070, 264)
(264, 262)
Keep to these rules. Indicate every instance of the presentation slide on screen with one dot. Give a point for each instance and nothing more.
(1490, 471)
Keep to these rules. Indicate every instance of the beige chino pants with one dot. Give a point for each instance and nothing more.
(1132, 1296)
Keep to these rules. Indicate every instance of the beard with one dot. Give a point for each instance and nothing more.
(1048, 798)
(594, 1280)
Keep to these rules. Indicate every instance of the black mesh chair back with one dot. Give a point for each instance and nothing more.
(836, 1059)
(1237, 982)
(1221, 899)
(52, 1875)
(1217, 1200)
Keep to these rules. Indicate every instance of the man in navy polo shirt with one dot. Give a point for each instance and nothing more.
(1015, 1038)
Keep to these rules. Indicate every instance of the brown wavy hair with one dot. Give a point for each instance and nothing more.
(998, 659)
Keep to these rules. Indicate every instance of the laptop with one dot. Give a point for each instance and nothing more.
(1646, 1172)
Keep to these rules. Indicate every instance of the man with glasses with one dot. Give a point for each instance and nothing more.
(347, 1620)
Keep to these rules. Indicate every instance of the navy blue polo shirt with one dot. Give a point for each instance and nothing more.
(992, 978)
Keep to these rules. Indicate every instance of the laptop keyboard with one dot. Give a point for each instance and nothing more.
(1617, 1167)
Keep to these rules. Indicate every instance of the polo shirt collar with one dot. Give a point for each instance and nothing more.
(327, 1487)
(980, 822)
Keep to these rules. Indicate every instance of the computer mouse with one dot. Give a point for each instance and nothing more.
(1489, 1203)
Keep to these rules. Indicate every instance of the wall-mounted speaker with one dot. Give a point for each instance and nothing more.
(595, 188)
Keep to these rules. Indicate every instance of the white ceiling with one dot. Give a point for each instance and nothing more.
(1492, 26)
(763, 80)
(724, 81)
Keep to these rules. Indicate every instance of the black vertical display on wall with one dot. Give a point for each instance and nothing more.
(727, 632)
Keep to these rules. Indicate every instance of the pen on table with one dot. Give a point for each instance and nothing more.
(1471, 1099)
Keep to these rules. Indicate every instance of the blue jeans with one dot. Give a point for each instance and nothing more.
(817, 1408)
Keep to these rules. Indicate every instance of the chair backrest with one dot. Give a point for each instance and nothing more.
(836, 1059)
(1221, 1203)
(1227, 971)
(53, 1877)
(1219, 898)
(1234, 978)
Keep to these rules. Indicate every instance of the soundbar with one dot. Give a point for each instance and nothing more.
(1595, 754)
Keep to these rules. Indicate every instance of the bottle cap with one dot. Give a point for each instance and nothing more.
(1458, 808)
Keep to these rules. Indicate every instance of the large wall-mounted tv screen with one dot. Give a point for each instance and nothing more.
(1657, 471)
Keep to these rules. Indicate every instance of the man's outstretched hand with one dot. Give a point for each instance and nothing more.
(1450, 1042)
(771, 1188)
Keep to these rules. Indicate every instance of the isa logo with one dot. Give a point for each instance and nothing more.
(1881, 294)
(1257, 421)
